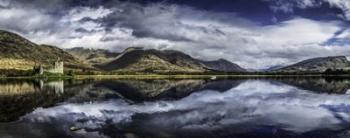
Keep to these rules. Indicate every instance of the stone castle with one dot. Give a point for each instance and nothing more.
(57, 68)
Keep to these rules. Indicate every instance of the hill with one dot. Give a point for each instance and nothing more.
(22, 54)
(223, 65)
(92, 56)
(319, 64)
(151, 60)
(139, 60)
(19, 53)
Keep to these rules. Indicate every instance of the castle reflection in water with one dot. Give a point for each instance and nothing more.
(25, 87)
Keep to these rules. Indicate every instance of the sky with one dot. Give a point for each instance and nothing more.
(255, 34)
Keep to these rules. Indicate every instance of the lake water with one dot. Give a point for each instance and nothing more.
(280, 107)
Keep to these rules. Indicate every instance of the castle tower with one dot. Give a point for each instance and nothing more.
(57, 68)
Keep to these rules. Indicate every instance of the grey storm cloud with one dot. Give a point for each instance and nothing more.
(288, 6)
(116, 25)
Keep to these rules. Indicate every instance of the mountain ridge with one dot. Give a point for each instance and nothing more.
(166, 61)
(318, 64)
(92, 56)
(20, 53)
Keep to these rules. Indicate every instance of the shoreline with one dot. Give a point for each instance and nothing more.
(174, 76)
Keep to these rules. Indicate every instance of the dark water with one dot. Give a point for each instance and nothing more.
(284, 107)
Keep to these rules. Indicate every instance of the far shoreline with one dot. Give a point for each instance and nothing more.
(156, 76)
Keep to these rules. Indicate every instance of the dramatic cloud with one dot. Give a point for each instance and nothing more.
(205, 34)
(288, 6)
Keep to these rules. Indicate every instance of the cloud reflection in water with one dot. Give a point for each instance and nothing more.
(251, 105)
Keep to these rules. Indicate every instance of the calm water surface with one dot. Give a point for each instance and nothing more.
(285, 107)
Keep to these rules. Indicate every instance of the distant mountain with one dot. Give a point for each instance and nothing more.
(20, 53)
(137, 59)
(223, 65)
(92, 56)
(317, 65)
(134, 59)
(272, 68)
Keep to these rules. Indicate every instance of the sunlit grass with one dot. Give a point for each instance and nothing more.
(18, 64)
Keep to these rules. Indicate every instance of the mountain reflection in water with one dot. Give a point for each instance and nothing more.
(284, 107)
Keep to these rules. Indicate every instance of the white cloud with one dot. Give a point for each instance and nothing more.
(342, 4)
(203, 34)
(299, 31)
(79, 13)
(288, 6)
(24, 20)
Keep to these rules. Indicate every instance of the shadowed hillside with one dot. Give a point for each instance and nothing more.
(20, 53)
(320, 64)
(151, 60)
(93, 56)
